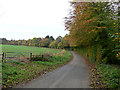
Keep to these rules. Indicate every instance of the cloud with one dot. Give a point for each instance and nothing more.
(34, 16)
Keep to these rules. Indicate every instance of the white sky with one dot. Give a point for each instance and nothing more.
(24, 19)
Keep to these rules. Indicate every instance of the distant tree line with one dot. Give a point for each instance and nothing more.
(48, 42)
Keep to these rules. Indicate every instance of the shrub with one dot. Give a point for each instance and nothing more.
(41, 57)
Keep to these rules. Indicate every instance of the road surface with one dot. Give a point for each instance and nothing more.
(73, 75)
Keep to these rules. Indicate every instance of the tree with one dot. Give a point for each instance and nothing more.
(47, 37)
(64, 42)
(45, 42)
(51, 38)
(4, 40)
(29, 42)
(58, 39)
(91, 23)
(23, 42)
(53, 44)
(60, 45)
(36, 42)
(19, 42)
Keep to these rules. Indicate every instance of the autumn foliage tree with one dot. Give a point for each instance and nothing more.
(64, 42)
(91, 23)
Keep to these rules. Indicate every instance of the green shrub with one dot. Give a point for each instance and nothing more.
(16, 62)
(44, 57)
(110, 75)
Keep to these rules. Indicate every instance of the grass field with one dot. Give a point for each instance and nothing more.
(15, 72)
(28, 49)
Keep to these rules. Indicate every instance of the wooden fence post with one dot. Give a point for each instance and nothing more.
(2, 56)
(5, 55)
(30, 56)
(42, 56)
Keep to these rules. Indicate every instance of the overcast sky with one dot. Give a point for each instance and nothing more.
(24, 19)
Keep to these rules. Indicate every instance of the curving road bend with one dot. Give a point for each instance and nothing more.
(73, 75)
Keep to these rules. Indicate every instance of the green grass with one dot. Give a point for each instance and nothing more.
(57, 59)
(26, 50)
(110, 75)
(14, 72)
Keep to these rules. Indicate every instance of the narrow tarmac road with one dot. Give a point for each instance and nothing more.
(73, 75)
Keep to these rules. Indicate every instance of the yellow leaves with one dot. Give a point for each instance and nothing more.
(4, 86)
(116, 39)
(113, 40)
(117, 33)
(52, 44)
(95, 8)
(100, 27)
(94, 31)
(59, 44)
(118, 55)
(29, 44)
(103, 27)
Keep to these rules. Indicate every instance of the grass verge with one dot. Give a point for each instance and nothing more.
(102, 75)
(110, 75)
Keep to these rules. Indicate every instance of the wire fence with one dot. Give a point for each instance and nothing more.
(19, 56)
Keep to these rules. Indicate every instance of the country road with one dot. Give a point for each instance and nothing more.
(73, 75)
